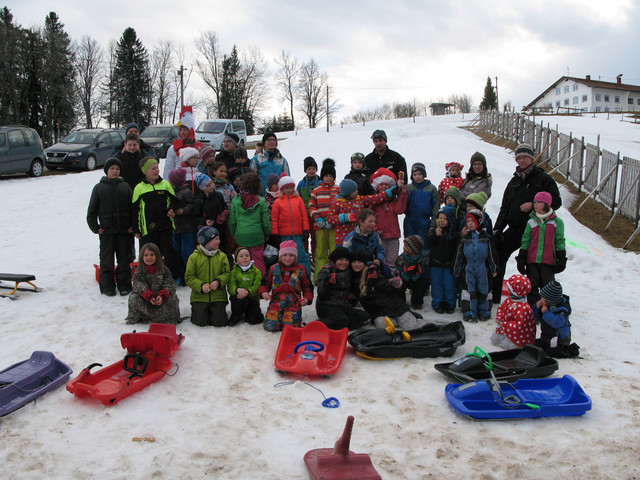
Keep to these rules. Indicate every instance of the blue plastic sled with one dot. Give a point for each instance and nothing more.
(527, 398)
(25, 381)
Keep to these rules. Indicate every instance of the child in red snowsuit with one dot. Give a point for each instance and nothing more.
(516, 323)
(453, 178)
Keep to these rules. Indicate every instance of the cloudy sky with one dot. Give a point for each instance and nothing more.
(377, 52)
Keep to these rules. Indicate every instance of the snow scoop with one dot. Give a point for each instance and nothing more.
(338, 463)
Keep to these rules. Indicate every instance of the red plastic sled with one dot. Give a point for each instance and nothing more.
(147, 362)
(312, 350)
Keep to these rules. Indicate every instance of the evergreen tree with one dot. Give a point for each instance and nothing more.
(130, 85)
(489, 100)
(13, 91)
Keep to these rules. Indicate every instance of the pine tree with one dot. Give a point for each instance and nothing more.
(13, 91)
(489, 100)
(130, 84)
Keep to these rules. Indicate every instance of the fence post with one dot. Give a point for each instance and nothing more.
(581, 181)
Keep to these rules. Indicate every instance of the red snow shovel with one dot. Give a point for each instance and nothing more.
(338, 463)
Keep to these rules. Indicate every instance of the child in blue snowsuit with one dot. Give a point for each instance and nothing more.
(443, 240)
(475, 259)
(422, 203)
(552, 311)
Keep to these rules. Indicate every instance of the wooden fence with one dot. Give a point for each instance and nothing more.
(610, 179)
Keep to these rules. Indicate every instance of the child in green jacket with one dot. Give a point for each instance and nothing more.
(207, 274)
(244, 283)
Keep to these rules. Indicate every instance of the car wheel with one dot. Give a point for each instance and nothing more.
(36, 168)
(91, 163)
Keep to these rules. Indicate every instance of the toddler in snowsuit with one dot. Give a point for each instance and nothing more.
(443, 240)
(475, 257)
(516, 325)
(410, 264)
(553, 311)
(244, 285)
(290, 289)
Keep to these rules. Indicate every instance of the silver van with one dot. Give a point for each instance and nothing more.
(212, 131)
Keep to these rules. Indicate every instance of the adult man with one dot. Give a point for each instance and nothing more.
(229, 144)
(517, 203)
(383, 156)
(270, 160)
(186, 138)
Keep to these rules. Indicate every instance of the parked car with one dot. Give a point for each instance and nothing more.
(86, 148)
(160, 137)
(21, 151)
(212, 131)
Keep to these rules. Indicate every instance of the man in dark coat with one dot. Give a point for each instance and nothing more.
(383, 156)
(517, 203)
(229, 145)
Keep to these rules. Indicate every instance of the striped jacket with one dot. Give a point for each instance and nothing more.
(320, 200)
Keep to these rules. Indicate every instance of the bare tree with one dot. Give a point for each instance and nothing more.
(287, 78)
(162, 69)
(254, 73)
(210, 66)
(315, 92)
(462, 102)
(107, 108)
(88, 67)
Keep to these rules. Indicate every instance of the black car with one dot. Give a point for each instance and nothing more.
(20, 151)
(87, 148)
(160, 137)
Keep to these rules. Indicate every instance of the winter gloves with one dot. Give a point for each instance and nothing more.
(321, 222)
(347, 218)
(561, 261)
(521, 259)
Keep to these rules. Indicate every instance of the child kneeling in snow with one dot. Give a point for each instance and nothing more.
(290, 289)
(552, 311)
(516, 325)
(153, 298)
(244, 286)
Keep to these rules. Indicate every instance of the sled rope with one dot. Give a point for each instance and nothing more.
(328, 402)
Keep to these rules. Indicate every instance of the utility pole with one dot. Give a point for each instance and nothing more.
(497, 102)
(181, 73)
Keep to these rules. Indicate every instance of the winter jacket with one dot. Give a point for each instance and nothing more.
(320, 200)
(382, 298)
(269, 162)
(519, 191)
(411, 267)
(226, 157)
(447, 183)
(369, 243)
(341, 208)
(146, 284)
(305, 187)
(389, 159)
(334, 287)
(130, 170)
(387, 224)
(110, 206)
(443, 247)
(271, 197)
(151, 202)
(288, 216)
(202, 268)
(249, 220)
(476, 250)
(237, 170)
(543, 238)
(361, 177)
(211, 205)
(226, 189)
(518, 323)
(555, 321)
(189, 220)
(422, 205)
(475, 184)
(249, 279)
(280, 282)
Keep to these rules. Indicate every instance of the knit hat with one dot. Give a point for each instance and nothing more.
(110, 162)
(415, 243)
(206, 234)
(328, 167)
(450, 213)
(478, 157)
(204, 152)
(233, 137)
(455, 193)
(202, 180)
(552, 293)
(524, 150)
(288, 246)
(475, 215)
(269, 135)
(383, 175)
(478, 199)
(448, 166)
(347, 187)
(240, 153)
(286, 180)
(272, 178)
(357, 156)
(188, 153)
(309, 162)
(131, 125)
(146, 163)
(187, 120)
(358, 256)
(379, 134)
(235, 254)
(419, 167)
(543, 197)
(338, 253)
(177, 177)
(519, 286)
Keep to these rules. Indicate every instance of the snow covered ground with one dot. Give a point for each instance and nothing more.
(220, 415)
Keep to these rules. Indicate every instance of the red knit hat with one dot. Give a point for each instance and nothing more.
(288, 246)
(383, 175)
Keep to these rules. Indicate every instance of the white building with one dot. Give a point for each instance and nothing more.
(571, 94)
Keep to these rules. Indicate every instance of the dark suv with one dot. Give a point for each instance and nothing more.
(160, 137)
(20, 151)
(87, 148)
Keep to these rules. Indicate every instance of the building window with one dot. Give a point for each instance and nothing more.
(598, 97)
(585, 109)
(639, 101)
(550, 104)
(585, 98)
(616, 99)
(606, 98)
(598, 109)
(630, 101)
(558, 103)
(566, 101)
(558, 91)
(566, 89)
(575, 87)
(575, 100)
(606, 109)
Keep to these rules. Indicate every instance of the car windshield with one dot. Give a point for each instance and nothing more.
(81, 137)
(211, 127)
(155, 132)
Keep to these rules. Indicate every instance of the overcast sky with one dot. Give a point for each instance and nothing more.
(377, 52)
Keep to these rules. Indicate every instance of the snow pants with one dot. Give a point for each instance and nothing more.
(184, 244)
(325, 244)
(444, 287)
(120, 245)
(475, 289)
(247, 306)
(204, 314)
(284, 308)
(539, 274)
(337, 317)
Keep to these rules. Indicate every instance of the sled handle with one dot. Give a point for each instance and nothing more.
(311, 346)
(483, 356)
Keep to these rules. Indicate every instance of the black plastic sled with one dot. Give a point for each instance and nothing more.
(430, 340)
(508, 365)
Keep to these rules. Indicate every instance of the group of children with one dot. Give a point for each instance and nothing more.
(199, 216)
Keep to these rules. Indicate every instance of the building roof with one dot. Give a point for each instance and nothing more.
(590, 83)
